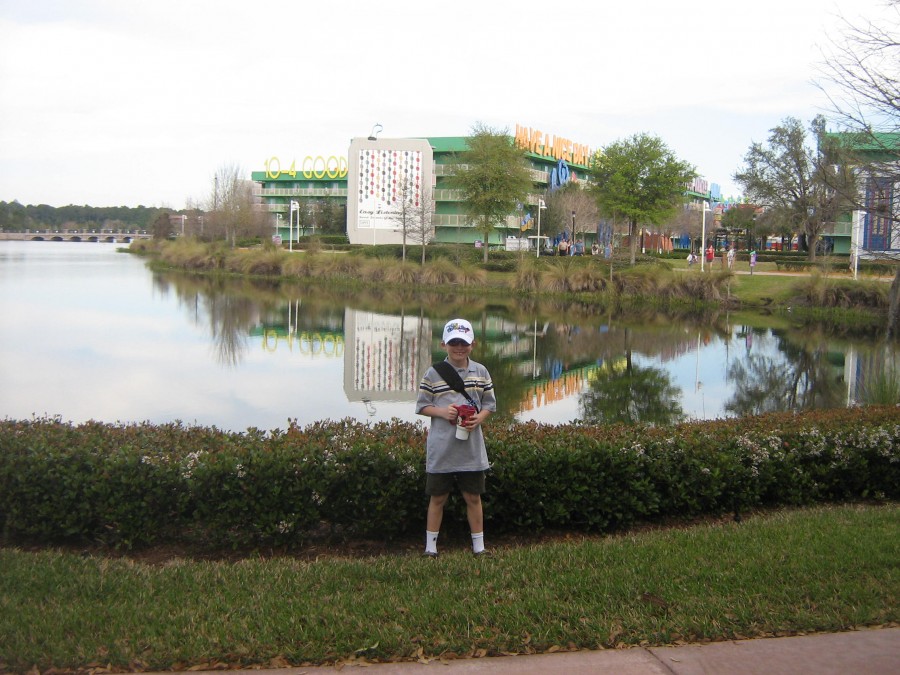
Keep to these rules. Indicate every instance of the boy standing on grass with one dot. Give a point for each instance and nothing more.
(450, 461)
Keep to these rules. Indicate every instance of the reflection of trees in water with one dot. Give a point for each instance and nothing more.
(799, 377)
(632, 396)
(229, 320)
(228, 309)
(663, 337)
(627, 393)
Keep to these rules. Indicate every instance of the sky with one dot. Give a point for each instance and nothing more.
(126, 103)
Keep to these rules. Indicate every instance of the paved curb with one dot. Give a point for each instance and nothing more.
(862, 652)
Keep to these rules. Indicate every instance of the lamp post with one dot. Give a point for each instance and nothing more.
(855, 237)
(295, 206)
(703, 233)
(541, 207)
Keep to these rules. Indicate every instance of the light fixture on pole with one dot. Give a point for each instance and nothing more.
(541, 207)
(703, 233)
(855, 238)
(295, 206)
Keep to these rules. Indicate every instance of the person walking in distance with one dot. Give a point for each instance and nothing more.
(458, 395)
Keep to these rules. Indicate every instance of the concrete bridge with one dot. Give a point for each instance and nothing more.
(105, 236)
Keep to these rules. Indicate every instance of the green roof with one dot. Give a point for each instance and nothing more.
(875, 141)
(449, 143)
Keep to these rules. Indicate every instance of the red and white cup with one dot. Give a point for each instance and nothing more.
(463, 413)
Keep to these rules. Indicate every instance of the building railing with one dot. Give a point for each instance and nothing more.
(460, 220)
(302, 192)
(445, 195)
(448, 169)
(838, 229)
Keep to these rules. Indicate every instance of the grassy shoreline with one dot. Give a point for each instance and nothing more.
(660, 282)
(786, 572)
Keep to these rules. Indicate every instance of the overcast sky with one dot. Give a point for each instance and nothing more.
(115, 102)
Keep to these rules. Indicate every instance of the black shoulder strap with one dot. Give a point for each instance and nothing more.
(453, 380)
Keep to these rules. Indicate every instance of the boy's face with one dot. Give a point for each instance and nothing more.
(458, 350)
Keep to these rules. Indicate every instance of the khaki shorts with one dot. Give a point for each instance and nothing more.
(442, 483)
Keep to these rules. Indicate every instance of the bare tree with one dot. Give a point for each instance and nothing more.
(421, 224)
(687, 221)
(406, 209)
(570, 209)
(232, 210)
(863, 65)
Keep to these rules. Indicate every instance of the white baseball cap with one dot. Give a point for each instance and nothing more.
(459, 329)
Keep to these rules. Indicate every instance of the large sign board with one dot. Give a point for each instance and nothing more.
(382, 175)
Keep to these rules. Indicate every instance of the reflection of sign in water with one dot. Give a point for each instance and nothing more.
(311, 343)
(386, 355)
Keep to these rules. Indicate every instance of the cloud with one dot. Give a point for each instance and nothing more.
(109, 103)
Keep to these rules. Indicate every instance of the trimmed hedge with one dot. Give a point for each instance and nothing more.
(134, 485)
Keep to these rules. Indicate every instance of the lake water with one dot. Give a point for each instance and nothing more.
(89, 332)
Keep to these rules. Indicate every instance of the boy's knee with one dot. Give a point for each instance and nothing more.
(471, 498)
(439, 500)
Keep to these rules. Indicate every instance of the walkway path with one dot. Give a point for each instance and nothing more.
(862, 652)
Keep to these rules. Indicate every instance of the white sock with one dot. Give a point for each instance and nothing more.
(477, 542)
(431, 542)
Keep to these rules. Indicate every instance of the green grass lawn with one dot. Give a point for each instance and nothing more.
(822, 569)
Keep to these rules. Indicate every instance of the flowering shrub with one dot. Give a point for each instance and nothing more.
(133, 485)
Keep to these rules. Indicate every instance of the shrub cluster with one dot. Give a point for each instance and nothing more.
(133, 485)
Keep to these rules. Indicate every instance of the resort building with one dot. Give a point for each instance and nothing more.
(381, 179)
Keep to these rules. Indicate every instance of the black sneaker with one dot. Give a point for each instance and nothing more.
(430, 554)
(483, 554)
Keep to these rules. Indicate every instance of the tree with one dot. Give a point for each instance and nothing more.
(863, 64)
(231, 209)
(411, 217)
(640, 180)
(161, 226)
(807, 187)
(741, 218)
(493, 177)
(562, 204)
(421, 224)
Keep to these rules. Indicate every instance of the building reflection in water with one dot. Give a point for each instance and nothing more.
(384, 356)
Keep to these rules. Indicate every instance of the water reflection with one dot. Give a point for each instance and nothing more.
(550, 363)
(795, 375)
(139, 345)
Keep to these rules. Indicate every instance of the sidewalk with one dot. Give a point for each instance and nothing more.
(863, 652)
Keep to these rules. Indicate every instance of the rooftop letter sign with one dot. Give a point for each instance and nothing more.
(312, 167)
(555, 147)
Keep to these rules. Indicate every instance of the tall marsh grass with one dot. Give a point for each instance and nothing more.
(819, 291)
(440, 272)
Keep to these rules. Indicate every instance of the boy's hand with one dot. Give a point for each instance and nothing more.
(477, 419)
